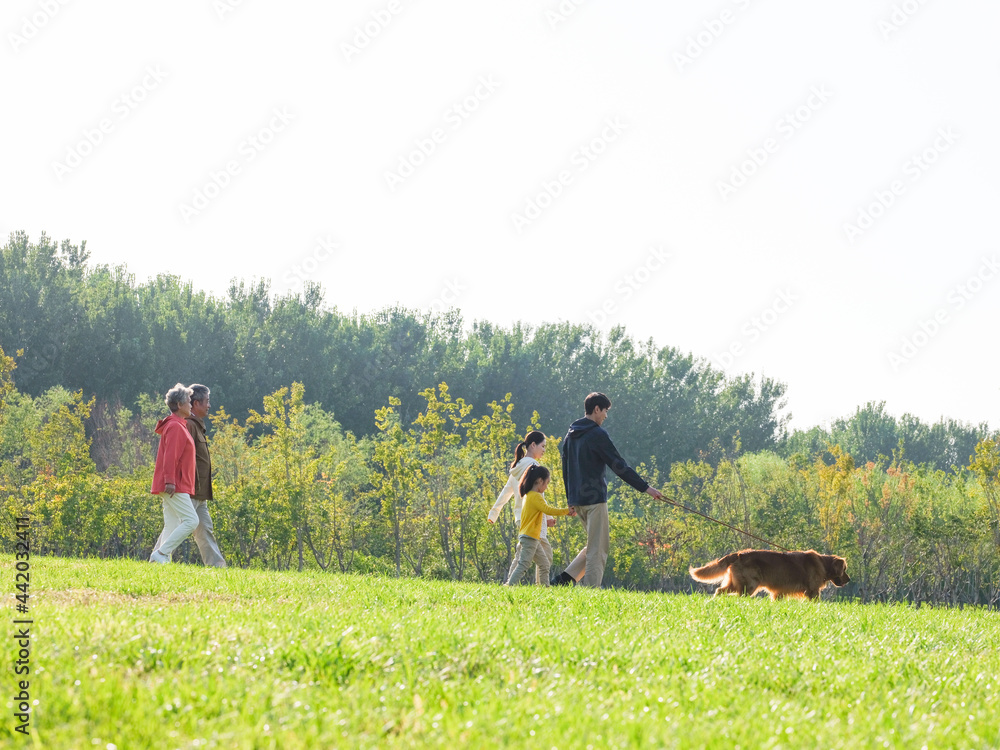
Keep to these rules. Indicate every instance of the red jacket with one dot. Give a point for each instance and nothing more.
(175, 457)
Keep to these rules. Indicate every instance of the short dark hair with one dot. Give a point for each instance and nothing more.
(199, 392)
(596, 400)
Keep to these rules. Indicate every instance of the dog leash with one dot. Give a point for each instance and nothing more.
(722, 523)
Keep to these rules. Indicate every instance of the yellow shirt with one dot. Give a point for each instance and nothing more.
(533, 512)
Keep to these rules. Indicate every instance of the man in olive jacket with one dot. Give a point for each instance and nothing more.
(204, 535)
(586, 451)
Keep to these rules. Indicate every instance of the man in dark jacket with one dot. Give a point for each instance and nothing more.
(204, 534)
(586, 451)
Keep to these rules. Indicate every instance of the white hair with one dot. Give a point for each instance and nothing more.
(176, 396)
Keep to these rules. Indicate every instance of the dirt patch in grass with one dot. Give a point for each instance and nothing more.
(98, 597)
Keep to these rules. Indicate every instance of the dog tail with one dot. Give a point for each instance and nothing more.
(715, 571)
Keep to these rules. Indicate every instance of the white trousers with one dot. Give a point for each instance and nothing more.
(179, 520)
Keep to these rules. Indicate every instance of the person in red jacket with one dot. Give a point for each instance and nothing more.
(173, 476)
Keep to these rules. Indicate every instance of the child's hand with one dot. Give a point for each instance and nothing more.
(572, 511)
(550, 522)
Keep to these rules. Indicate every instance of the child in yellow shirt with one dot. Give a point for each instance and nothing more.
(534, 482)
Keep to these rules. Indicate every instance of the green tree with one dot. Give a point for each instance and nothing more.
(447, 486)
(985, 466)
(7, 367)
(339, 523)
(396, 477)
(488, 451)
(833, 490)
(870, 434)
(248, 503)
(291, 464)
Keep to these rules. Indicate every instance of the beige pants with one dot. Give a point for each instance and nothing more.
(595, 520)
(204, 535)
(530, 550)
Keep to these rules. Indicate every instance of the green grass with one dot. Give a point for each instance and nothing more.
(146, 656)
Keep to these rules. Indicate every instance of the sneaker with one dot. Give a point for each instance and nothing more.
(563, 579)
(158, 557)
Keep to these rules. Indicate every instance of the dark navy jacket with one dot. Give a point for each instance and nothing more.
(586, 450)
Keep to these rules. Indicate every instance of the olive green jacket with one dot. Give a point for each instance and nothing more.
(202, 459)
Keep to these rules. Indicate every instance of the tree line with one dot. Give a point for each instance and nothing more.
(97, 330)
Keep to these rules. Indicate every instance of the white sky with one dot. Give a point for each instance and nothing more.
(639, 235)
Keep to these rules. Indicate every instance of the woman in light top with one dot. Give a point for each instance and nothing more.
(532, 488)
(526, 454)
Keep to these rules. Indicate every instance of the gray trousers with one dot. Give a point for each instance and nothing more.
(542, 570)
(530, 550)
(595, 520)
(204, 537)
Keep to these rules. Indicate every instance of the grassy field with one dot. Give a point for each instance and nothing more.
(132, 655)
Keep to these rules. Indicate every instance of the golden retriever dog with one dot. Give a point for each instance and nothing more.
(781, 574)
